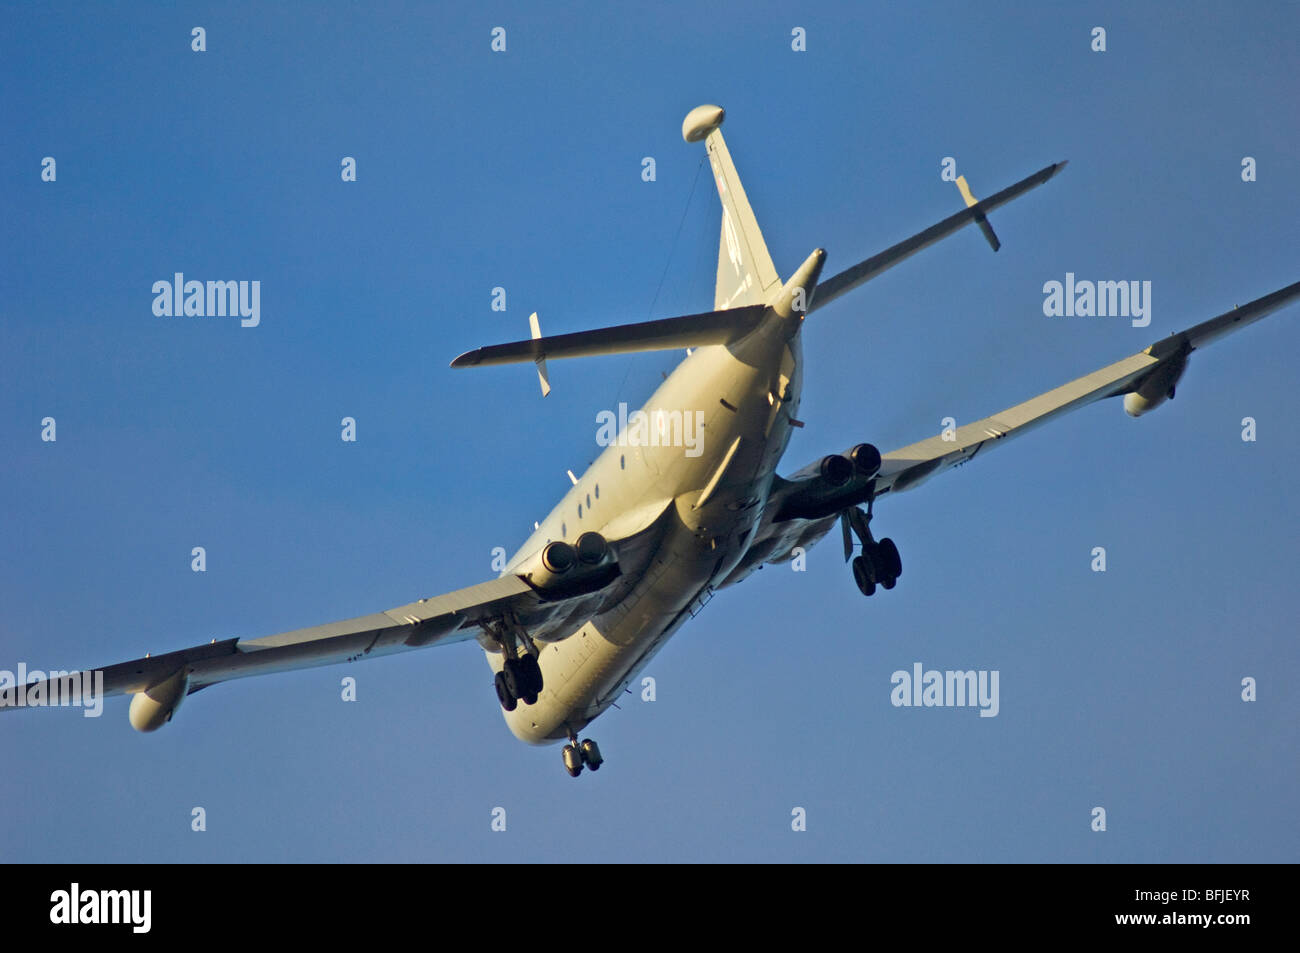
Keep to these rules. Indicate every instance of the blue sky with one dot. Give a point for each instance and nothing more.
(522, 169)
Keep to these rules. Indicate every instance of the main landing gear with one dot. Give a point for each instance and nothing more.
(576, 755)
(879, 563)
(520, 678)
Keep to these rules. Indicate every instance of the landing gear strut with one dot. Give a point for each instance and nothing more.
(578, 755)
(520, 678)
(879, 563)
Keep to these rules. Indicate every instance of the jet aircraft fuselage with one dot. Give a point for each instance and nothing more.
(749, 394)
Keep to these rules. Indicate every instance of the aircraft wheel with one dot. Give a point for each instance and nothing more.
(531, 671)
(572, 760)
(890, 559)
(591, 755)
(889, 582)
(862, 576)
(507, 700)
(516, 680)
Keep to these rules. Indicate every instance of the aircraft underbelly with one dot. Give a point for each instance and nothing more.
(588, 671)
(708, 534)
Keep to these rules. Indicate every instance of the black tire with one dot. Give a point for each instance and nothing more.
(507, 700)
(516, 681)
(889, 582)
(531, 671)
(889, 558)
(862, 576)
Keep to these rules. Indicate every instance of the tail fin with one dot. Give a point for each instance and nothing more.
(746, 274)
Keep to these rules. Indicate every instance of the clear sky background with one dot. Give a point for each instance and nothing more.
(523, 170)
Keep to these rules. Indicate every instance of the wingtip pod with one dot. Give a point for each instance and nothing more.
(701, 121)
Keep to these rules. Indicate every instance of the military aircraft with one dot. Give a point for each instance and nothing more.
(685, 498)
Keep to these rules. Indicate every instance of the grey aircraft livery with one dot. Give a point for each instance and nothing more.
(686, 503)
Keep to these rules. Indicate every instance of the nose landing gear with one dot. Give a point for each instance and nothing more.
(579, 755)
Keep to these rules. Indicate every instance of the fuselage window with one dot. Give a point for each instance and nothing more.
(597, 491)
(622, 462)
(579, 511)
(588, 501)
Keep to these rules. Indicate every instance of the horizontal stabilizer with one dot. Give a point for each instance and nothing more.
(975, 211)
(692, 330)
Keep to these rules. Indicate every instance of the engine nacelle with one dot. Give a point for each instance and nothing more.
(564, 569)
(559, 557)
(1156, 387)
(866, 459)
(836, 470)
(154, 707)
(592, 549)
(841, 481)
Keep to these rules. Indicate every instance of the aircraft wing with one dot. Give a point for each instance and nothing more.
(803, 507)
(1148, 376)
(453, 617)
